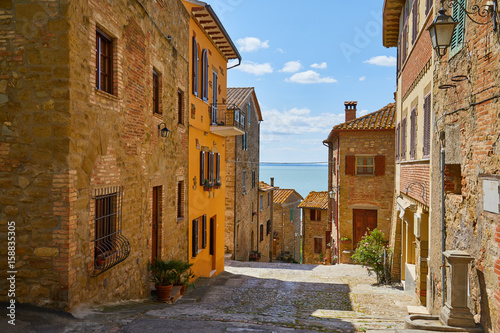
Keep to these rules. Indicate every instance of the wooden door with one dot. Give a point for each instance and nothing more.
(213, 241)
(155, 223)
(363, 219)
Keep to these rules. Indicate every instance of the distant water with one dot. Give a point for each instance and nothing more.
(300, 177)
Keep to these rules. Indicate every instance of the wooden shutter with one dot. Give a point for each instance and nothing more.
(195, 67)
(217, 167)
(413, 132)
(194, 239)
(379, 165)
(426, 149)
(428, 6)
(204, 231)
(405, 43)
(202, 167)
(414, 21)
(204, 75)
(350, 165)
(398, 140)
(457, 39)
(403, 139)
(211, 167)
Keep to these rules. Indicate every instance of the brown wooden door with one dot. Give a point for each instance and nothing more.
(363, 219)
(213, 224)
(156, 217)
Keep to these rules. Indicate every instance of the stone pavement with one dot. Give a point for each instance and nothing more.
(249, 297)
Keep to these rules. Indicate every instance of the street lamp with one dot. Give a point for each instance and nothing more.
(164, 131)
(441, 31)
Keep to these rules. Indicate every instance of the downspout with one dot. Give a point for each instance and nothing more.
(235, 236)
(443, 237)
(337, 201)
(271, 213)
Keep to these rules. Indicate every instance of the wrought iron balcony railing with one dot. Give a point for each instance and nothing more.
(228, 115)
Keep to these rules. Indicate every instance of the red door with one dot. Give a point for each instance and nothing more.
(363, 219)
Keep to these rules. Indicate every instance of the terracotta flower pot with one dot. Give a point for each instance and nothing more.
(183, 289)
(163, 292)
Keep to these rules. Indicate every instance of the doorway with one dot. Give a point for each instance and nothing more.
(363, 219)
(213, 240)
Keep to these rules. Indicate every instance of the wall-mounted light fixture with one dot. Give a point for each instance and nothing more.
(441, 29)
(164, 131)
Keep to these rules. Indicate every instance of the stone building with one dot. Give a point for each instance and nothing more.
(93, 188)
(211, 121)
(410, 228)
(465, 122)
(242, 174)
(316, 228)
(263, 229)
(287, 231)
(360, 176)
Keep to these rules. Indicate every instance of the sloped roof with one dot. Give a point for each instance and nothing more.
(318, 200)
(237, 96)
(265, 187)
(282, 194)
(381, 119)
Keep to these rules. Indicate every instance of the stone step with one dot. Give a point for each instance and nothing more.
(417, 310)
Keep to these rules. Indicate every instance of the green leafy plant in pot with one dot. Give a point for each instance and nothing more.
(163, 276)
(183, 274)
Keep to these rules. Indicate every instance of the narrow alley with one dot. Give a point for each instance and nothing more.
(253, 297)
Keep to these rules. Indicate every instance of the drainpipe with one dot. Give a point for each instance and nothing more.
(443, 246)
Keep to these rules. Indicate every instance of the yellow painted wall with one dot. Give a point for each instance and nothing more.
(211, 203)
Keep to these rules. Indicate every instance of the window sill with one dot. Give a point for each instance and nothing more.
(107, 95)
(426, 160)
(180, 219)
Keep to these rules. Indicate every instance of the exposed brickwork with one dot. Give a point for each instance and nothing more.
(287, 224)
(414, 181)
(312, 230)
(62, 139)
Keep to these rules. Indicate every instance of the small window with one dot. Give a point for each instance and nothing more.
(180, 199)
(204, 75)
(291, 214)
(195, 69)
(217, 167)
(398, 141)
(249, 114)
(413, 132)
(261, 201)
(104, 62)
(364, 165)
(253, 179)
(180, 108)
(203, 231)
(403, 139)
(244, 138)
(202, 168)
(268, 199)
(156, 92)
(426, 149)
(414, 21)
(268, 229)
(334, 166)
(315, 214)
(261, 232)
(318, 245)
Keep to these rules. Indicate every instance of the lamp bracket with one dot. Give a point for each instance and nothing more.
(488, 11)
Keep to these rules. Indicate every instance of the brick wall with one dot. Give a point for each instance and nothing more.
(285, 227)
(62, 139)
(415, 182)
(315, 229)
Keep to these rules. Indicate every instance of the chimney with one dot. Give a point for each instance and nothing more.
(350, 110)
(272, 181)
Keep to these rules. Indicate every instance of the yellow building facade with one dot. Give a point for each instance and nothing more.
(210, 122)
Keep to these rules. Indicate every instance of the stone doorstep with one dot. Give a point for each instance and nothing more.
(417, 309)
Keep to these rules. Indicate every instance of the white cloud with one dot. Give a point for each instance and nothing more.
(362, 113)
(362, 78)
(309, 77)
(255, 68)
(280, 50)
(296, 121)
(382, 61)
(251, 44)
(319, 66)
(291, 67)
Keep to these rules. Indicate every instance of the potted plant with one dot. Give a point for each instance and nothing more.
(183, 274)
(217, 184)
(207, 185)
(163, 276)
(254, 256)
(345, 240)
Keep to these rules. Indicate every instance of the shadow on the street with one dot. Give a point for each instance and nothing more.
(272, 265)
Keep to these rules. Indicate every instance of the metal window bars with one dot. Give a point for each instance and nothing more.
(110, 246)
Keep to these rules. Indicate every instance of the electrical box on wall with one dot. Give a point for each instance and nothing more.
(491, 196)
(416, 224)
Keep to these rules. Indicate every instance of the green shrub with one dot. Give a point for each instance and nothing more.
(373, 252)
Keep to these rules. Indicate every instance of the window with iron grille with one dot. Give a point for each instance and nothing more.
(104, 62)
(426, 149)
(156, 92)
(110, 246)
(261, 230)
(318, 245)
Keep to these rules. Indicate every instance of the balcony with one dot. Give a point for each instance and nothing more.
(227, 120)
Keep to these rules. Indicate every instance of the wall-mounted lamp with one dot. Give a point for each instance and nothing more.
(441, 29)
(164, 131)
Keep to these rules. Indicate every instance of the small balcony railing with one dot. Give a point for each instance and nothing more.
(228, 115)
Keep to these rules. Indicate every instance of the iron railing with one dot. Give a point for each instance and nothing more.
(227, 115)
(110, 246)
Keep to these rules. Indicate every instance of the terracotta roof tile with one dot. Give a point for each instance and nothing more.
(237, 96)
(265, 187)
(316, 200)
(381, 119)
(281, 195)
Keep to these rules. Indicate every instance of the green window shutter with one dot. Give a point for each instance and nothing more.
(457, 39)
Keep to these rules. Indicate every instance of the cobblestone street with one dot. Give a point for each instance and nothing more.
(256, 297)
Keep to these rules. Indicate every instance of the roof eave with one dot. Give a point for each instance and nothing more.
(390, 26)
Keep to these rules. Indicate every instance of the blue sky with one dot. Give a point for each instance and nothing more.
(305, 58)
